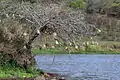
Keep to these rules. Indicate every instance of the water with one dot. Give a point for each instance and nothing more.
(81, 66)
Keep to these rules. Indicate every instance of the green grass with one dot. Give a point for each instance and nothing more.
(93, 51)
(48, 51)
(104, 47)
(10, 69)
(7, 71)
(98, 52)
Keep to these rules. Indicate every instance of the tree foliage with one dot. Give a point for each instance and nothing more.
(78, 4)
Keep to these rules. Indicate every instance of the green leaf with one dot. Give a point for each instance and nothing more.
(80, 3)
(74, 4)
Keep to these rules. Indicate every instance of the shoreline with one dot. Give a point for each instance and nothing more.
(37, 52)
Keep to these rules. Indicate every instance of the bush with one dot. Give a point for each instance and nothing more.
(115, 4)
(80, 4)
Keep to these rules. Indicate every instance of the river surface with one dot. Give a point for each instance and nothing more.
(81, 66)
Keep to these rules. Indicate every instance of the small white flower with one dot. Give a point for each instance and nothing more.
(21, 16)
(66, 47)
(91, 38)
(99, 30)
(87, 43)
(44, 46)
(24, 76)
(56, 42)
(13, 16)
(70, 43)
(24, 47)
(25, 34)
(76, 47)
(84, 43)
(53, 46)
(54, 34)
(7, 15)
(38, 31)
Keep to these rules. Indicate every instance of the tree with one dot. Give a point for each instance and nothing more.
(22, 23)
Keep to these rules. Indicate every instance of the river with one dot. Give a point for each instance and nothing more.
(81, 66)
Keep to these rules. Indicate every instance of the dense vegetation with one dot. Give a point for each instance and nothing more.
(54, 26)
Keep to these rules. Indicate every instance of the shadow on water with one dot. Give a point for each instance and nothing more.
(81, 66)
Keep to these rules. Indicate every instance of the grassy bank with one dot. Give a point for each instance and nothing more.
(99, 52)
(37, 51)
(17, 73)
(48, 51)
(8, 71)
(103, 47)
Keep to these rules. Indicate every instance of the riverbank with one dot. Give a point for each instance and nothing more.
(37, 52)
(17, 72)
(9, 73)
(102, 47)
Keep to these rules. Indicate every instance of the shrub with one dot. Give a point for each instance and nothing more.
(115, 4)
(78, 4)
